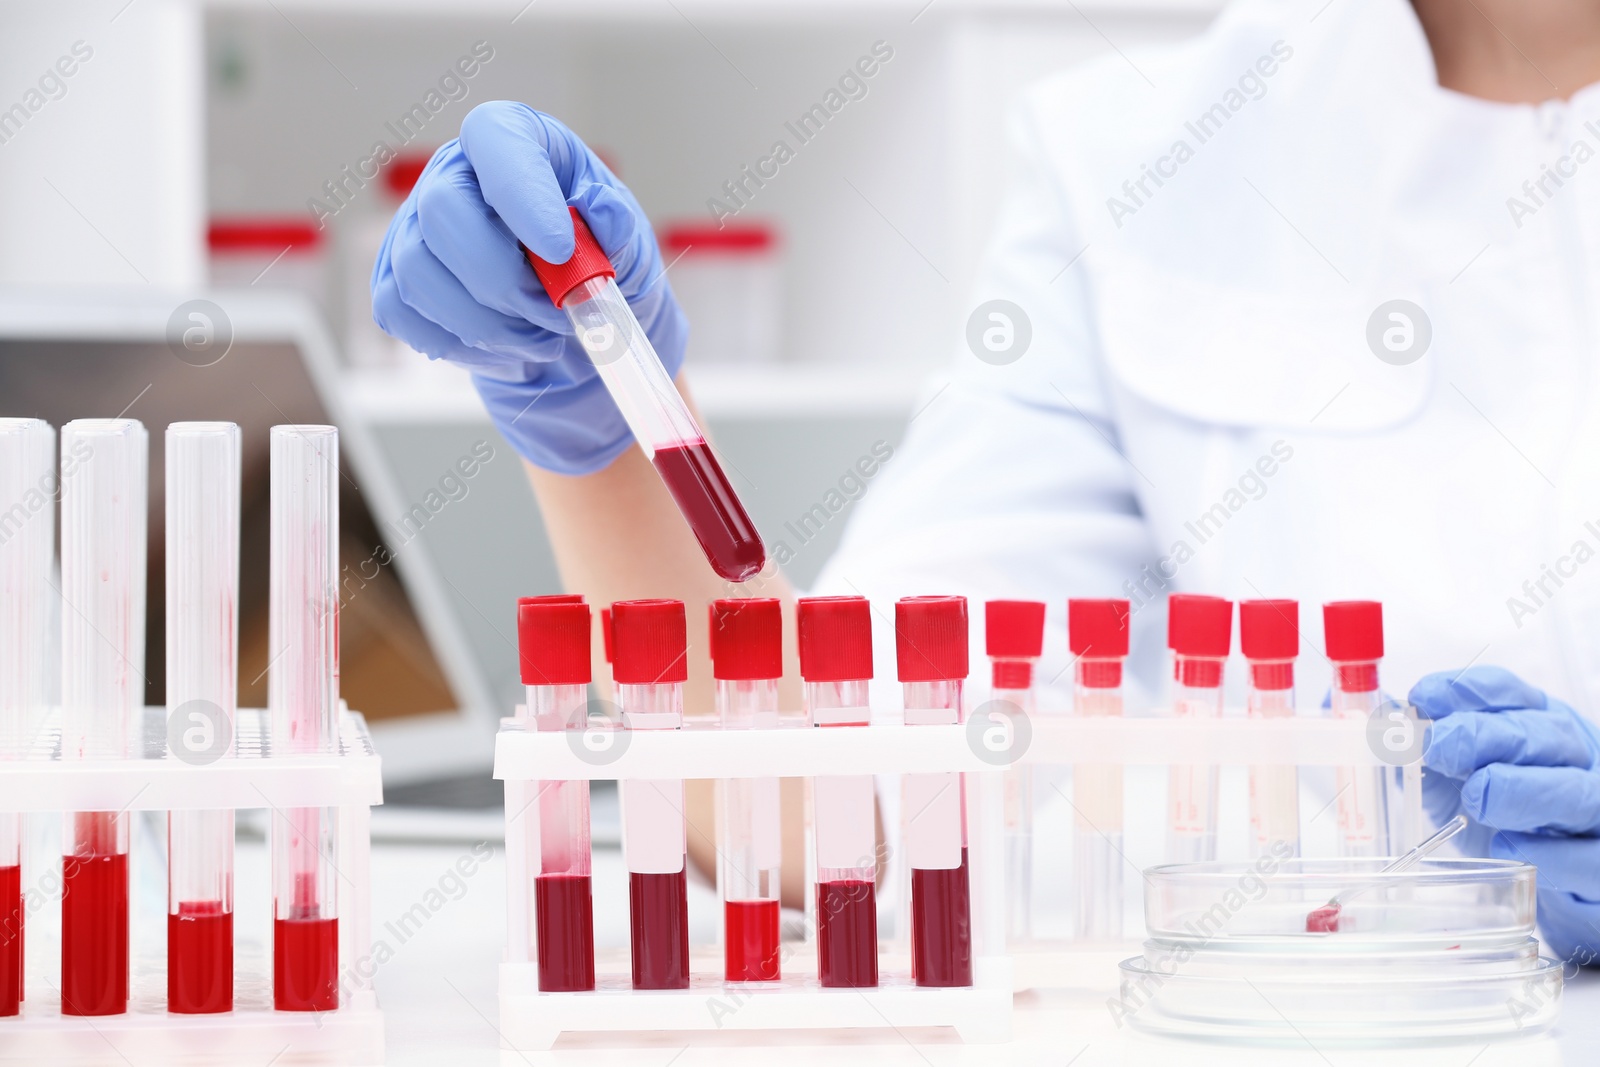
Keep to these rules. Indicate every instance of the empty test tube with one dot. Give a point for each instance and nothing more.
(202, 565)
(1200, 633)
(303, 704)
(931, 651)
(104, 475)
(747, 662)
(1013, 635)
(1097, 634)
(1269, 637)
(28, 482)
(1354, 633)
(649, 649)
(553, 635)
(835, 638)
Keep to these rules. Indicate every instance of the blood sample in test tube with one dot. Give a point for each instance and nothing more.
(1354, 633)
(553, 635)
(649, 648)
(27, 460)
(835, 638)
(104, 476)
(1200, 633)
(931, 652)
(1097, 635)
(585, 288)
(1269, 637)
(1013, 635)
(202, 565)
(303, 705)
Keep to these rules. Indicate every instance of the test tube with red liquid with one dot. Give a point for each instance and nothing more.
(1354, 633)
(931, 651)
(1200, 633)
(1013, 634)
(303, 704)
(650, 663)
(1097, 634)
(1269, 637)
(585, 288)
(202, 494)
(553, 635)
(104, 475)
(27, 461)
(835, 638)
(747, 661)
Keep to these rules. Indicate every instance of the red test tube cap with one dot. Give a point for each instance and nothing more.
(835, 638)
(649, 642)
(1269, 629)
(1097, 633)
(930, 638)
(746, 639)
(1199, 625)
(1014, 628)
(587, 261)
(553, 640)
(1354, 630)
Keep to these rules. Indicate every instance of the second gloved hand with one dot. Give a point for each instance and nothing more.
(451, 282)
(1525, 767)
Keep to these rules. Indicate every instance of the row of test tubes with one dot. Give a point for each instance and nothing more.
(1199, 637)
(646, 643)
(102, 489)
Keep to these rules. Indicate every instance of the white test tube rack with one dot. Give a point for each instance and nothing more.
(252, 778)
(1063, 739)
(980, 1014)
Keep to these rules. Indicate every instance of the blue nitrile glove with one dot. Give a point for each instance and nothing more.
(1525, 767)
(451, 281)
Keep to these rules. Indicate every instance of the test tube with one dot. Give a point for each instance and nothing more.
(1269, 637)
(202, 684)
(1097, 634)
(585, 288)
(104, 475)
(747, 661)
(1013, 635)
(303, 703)
(1200, 633)
(553, 635)
(27, 545)
(649, 649)
(931, 652)
(1354, 633)
(835, 638)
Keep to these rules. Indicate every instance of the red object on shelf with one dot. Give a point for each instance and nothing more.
(564, 922)
(553, 635)
(1097, 633)
(729, 238)
(941, 926)
(1200, 631)
(11, 915)
(1354, 633)
(835, 636)
(94, 935)
(750, 928)
(1324, 920)
(401, 174)
(200, 958)
(649, 642)
(658, 926)
(305, 964)
(1013, 631)
(746, 639)
(847, 934)
(930, 635)
(1269, 637)
(265, 234)
(713, 510)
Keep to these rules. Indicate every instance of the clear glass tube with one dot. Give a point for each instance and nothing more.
(28, 490)
(665, 429)
(104, 480)
(1018, 800)
(845, 847)
(655, 849)
(1362, 791)
(202, 564)
(936, 851)
(563, 886)
(1097, 811)
(303, 703)
(1275, 790)
(750, 842)
(1192, 789)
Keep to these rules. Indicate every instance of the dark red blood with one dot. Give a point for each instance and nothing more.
(941, 926)
(1325, 920)
(712, 509)
(94, 935)
(563, 907)
(658, 919)
(751, 931)
(305, 964)
(200, 958)
(847, 934)
(11, 913)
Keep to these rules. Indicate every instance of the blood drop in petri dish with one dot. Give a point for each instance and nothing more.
(1325, 920)
(712, 509)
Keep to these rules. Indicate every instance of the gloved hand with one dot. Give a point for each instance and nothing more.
(1525, 767)
(451, 282)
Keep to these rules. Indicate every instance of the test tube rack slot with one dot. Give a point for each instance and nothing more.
(154, 780)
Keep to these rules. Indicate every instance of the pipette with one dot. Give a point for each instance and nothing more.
(585, 288)
(836, 663)
(747, 661)
(1097, 634)
(1013, 636)
(1269, 637)
(1200, 631)
(1354, 633)
(1325, 920)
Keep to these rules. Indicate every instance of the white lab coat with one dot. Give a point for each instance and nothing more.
(1224, 320)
